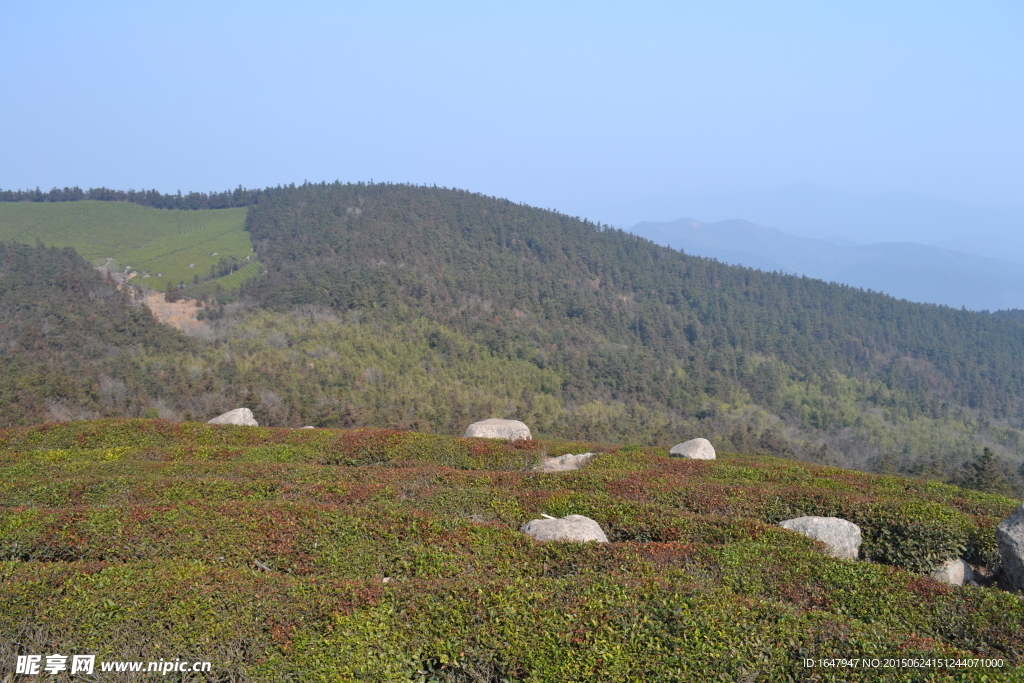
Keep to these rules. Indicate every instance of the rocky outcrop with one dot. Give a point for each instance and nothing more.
(565, 463)
(238, 416)
(954, 571)
(1010, 539)
(695, 449)
(569, 528)
(498, 429)
(840, 535)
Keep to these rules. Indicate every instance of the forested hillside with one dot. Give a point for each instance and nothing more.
(470, 259)
(405, 306)
(70, 341)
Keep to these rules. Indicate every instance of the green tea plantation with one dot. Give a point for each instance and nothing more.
(377, 555)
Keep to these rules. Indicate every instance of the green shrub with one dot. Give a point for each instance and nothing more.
(981, 544)
(380, 446)
(917, 536)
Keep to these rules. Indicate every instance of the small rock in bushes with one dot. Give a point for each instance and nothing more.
(564, 463)
(955, 572)
(1010, 539)
(569, 528)
(238, 416)
(498, 429)
(695, 449)
(841, 536)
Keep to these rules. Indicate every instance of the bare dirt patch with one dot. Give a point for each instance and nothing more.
(181, 314)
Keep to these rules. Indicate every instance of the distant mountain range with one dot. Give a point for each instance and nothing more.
(808, 210)
(916, 272)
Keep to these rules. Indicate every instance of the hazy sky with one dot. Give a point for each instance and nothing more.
(555, 104)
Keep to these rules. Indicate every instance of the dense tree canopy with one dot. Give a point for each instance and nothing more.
(618, 311)
(69, 337)
(193, 200)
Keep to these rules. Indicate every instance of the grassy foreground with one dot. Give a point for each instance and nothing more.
(167, 245)
(328, 555)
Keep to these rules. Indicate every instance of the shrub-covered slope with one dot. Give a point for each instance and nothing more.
(322, 555)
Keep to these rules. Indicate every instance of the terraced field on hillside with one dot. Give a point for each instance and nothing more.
(227, 282)
(331, 555)
(161, 245)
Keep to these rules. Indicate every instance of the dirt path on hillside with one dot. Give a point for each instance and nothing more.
(181, 314)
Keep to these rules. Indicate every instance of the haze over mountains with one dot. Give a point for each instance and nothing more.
(916, 272)
(903, 244)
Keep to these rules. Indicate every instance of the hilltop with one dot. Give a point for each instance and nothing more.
(417, 307)
(384, 556)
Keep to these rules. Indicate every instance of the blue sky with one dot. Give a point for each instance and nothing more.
(560, 105)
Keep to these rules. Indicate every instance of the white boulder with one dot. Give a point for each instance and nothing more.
(498, 429)
(569, 528)
(1010, 539)
(954, 571)
(695, 449)
(238, 416)
(564, 463)
(842, 536)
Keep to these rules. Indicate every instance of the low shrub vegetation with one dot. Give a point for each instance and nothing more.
(381, 555)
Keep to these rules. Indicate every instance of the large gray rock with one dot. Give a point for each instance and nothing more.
(954, 571)
(238, 416)
(564, 463)
(568, 528)
(842, 536)
(1010, 539)
(498, 429)
(695, 449)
